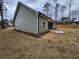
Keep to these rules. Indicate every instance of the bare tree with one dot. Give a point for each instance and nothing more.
(57, 5)
(70, 5)
(70, 10)
(1, 11)
(46, 8)
(55, 1)
(62, 12)
(2, 8)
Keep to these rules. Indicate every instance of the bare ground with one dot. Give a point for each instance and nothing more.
(18, 45)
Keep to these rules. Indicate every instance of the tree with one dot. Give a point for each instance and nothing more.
(70, 5)
(2, 8)
(1, 11)
(65, 20)
(57, 5)
(62, 11)
(70, 10)
(5, 22)
(46, 8)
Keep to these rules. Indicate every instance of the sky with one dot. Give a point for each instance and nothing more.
(38, 4)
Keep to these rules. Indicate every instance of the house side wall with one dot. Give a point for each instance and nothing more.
(41, 25)
(26, 20)
(54, 25)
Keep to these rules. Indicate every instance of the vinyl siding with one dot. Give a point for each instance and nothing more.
(26, 20)
(41, 20)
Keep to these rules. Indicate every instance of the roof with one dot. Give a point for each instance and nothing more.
(37, 12)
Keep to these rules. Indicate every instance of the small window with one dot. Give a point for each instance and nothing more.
(43, 24)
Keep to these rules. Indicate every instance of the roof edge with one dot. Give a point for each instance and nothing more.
(37, 12)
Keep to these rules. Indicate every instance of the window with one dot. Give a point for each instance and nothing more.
(43, 24)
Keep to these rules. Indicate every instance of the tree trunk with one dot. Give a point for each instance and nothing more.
(2, 19)
(62, 16)
(70, 11)
(56, 13)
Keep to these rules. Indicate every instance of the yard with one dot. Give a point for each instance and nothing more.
(18, 45)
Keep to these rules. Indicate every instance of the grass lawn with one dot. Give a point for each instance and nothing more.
(18, 45)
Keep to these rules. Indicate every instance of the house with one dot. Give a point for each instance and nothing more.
(65, 20)
(32, 21)
(76, 21)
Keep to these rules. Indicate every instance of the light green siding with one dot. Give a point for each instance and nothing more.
(41, 20)
(26, 20)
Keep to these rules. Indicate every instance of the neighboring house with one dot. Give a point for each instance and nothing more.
(30, 20)
(77, 21)
(65, 20)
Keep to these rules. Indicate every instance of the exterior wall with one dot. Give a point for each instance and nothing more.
(41, 20)
(54, 25)
(26, 20)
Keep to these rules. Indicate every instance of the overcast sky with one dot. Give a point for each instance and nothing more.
(38, 4)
